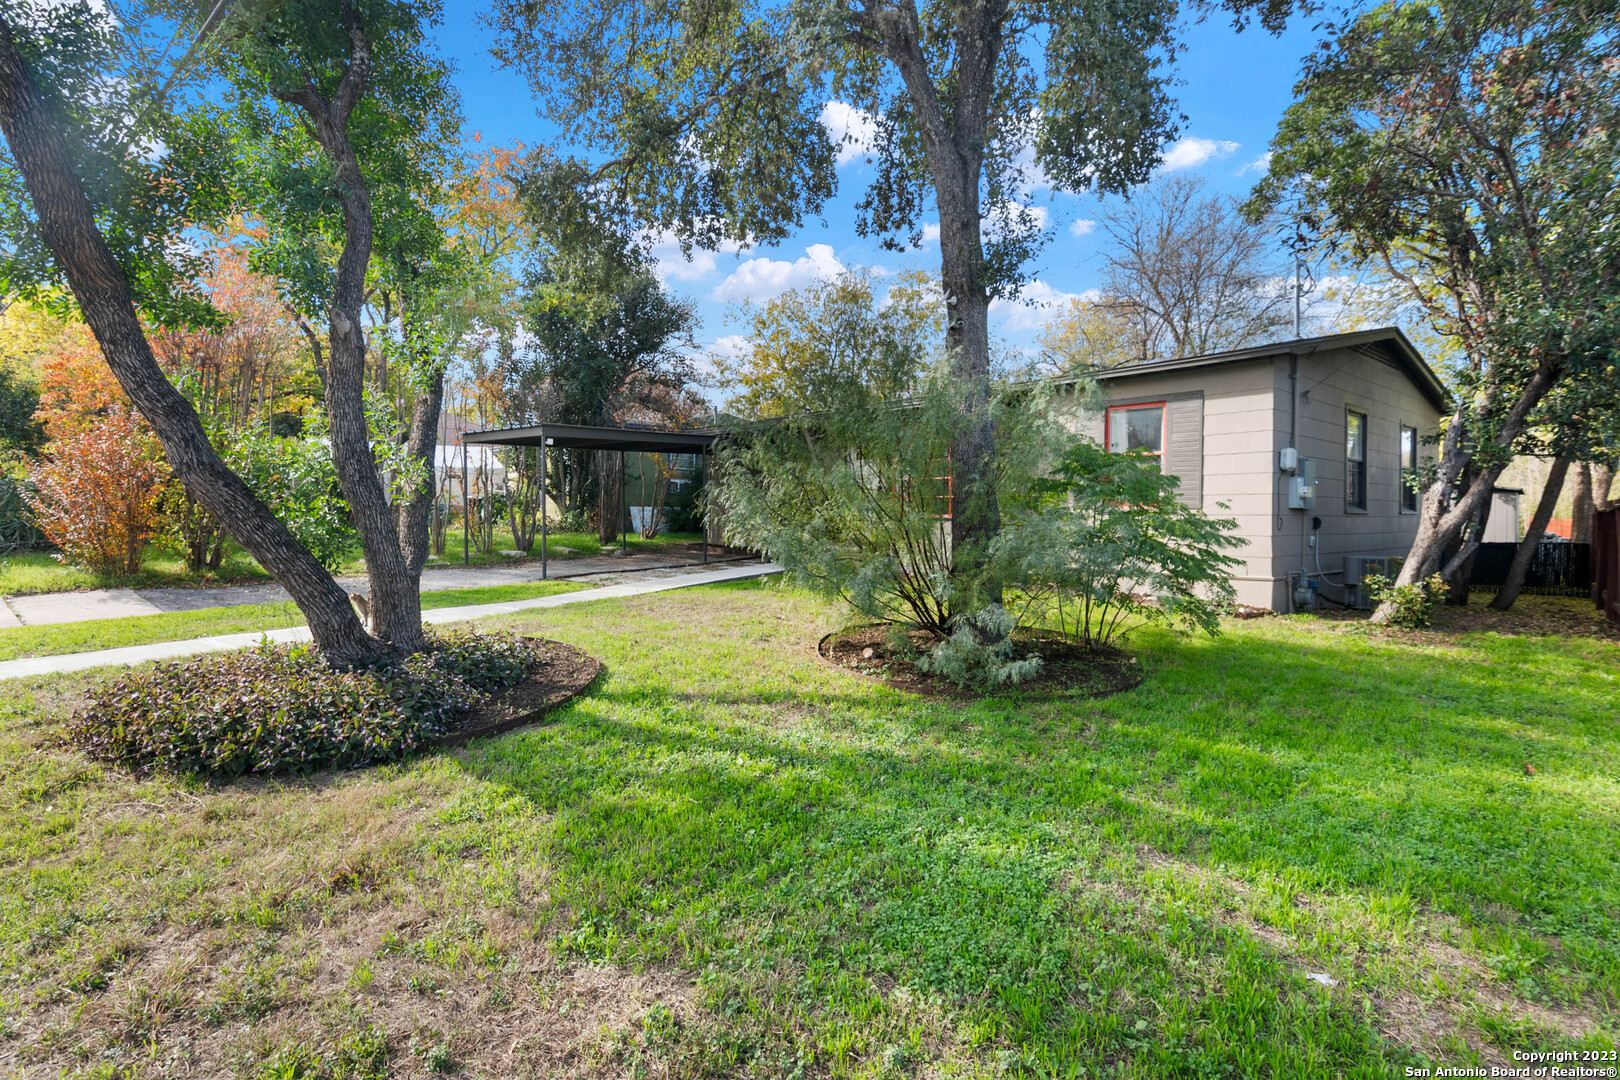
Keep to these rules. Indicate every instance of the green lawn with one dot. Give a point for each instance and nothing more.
(17, 642)
(579, 545)
(727, 860)
(26, 572)
(30, 572)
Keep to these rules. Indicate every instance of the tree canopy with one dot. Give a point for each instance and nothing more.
(810, 347)
(706, 119)
(1469, 147)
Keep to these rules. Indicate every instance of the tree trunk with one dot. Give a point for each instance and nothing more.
(102, 291)
(1440, 520)
(975, 512)
(415, 512)
(1602, 485)
(1580, 511)
(1526, 551)
(395, 603)
(608, 485)
(1460, 570)
(953, 142)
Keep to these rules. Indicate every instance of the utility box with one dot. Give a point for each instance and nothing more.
(1302, 486)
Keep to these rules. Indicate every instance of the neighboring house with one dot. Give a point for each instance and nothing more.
(1356, 410)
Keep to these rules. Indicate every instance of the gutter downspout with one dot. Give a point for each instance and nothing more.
(1293, 441)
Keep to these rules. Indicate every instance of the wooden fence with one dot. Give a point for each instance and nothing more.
(1606, 562)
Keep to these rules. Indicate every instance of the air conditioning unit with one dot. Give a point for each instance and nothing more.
(1357, 568)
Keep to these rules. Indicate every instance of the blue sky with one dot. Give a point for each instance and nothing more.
(1236, 86)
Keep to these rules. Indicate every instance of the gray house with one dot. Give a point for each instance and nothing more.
(1305, 441)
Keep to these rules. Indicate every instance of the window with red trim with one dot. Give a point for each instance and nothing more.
(1137, 428)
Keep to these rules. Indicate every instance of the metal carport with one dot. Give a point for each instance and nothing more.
(589, 437)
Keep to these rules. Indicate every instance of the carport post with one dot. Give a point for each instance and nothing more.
(542, 504)
(624, 509)
(466, 504)
(703, 507)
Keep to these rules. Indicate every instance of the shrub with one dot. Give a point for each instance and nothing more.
(853, 501)
(297, 480)
(980, 652)
(191, 531)
(17, 531)
(96, 495)
(20, 431)
(573, 521)
(1105, 542)
(281, 708)
(1413, 606)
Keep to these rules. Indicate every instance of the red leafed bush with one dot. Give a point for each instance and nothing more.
(96, 496)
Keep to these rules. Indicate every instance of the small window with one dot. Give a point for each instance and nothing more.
(1409, 466)
(1137, 427)
(1355, 461)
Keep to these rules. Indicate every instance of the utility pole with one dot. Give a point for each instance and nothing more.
(1299, 288)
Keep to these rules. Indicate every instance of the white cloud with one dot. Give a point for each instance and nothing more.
(1261, 164)
(930, 233)
(853, 131)
(1082, 227)
(1037, 302)
(761, 279)
(731, 346)
(672, 264)
(1191, 152)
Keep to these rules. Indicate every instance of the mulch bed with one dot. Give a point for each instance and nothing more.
(562, 674)
(1530, 616)
(1068, 670)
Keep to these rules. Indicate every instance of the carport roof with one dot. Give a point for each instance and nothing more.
(590, 437)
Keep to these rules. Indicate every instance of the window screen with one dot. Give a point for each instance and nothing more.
(1136, 427)
(1409, 464)
(1355, 461)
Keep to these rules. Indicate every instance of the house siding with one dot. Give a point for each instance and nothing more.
(1231, 406)
(1331, 384)
(1242, 414)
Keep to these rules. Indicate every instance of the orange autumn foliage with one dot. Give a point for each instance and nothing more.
(235, 372)
(77, 390)
(97, 491)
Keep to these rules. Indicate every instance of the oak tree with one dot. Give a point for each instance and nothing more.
(340, 110)
(705, 119)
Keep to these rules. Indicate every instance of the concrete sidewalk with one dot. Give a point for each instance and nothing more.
(168, 650)
(47, 609)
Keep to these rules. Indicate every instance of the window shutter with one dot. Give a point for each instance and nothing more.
(1184, 451)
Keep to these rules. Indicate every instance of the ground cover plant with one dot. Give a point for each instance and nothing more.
(728, 860)
(57, 639)
(281, 708)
